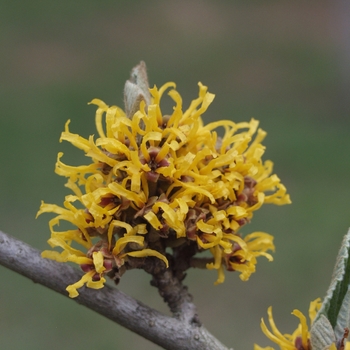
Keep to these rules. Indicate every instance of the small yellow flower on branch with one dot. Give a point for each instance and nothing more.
(301, 338)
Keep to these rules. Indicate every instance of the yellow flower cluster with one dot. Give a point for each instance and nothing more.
(300, 338)
(157, 181)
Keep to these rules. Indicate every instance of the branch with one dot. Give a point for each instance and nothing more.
(176, 296)
(168, 332)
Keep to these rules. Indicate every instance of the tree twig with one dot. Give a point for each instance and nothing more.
(168, 332)
(176, 296)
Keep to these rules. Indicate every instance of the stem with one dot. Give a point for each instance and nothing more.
(168, 332)
(177, 297)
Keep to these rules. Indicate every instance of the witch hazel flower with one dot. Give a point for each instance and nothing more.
(162, 188)
(302, 338)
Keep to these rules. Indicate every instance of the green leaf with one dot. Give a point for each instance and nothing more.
(335, 310)
(340, 283)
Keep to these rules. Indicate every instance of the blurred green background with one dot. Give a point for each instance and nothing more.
(284, 63)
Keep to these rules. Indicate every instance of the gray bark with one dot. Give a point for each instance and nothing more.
(169, 332)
